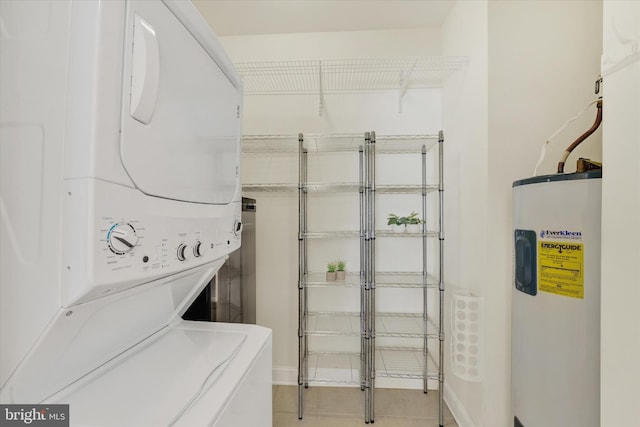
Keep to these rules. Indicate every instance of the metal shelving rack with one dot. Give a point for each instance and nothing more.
(336, 367)
(409, 361)
(405, 362)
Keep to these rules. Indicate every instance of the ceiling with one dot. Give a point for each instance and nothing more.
(245, 17)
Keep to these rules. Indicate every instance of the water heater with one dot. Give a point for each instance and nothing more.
(556, 301)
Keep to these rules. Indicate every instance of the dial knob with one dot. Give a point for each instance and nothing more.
(198, 249)
(122, 238)
(184, 252)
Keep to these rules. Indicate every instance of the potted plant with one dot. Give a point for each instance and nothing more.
(340, 274)
(396, 222)
(413, 222)
(331, 272)
(410, 223)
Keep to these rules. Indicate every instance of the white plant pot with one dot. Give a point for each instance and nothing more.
(399, 228)
(340, 275)
(414, 228)
(331, 277)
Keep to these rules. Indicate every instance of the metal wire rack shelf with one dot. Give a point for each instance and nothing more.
(409, 363)
(400, 325)
(318, 143)
(391, 279)
(317, 279)
(402, 279)
(333, 367)
(391, 362)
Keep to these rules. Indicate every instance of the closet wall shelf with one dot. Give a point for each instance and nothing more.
(345, 76)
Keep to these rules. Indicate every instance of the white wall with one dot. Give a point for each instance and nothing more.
(620, 370)
(541, 61)
(465, 118)
(333, 45)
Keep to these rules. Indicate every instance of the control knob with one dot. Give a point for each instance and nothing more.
(198, 249)
(122, 238)
(184, 252)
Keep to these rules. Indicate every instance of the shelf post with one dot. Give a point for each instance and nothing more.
(302, 264)
(441, 277)
(367, 274)
(425, 293)
(372, 270)
(363, 324)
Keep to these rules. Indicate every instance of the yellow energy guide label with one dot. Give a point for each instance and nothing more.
(561, 268)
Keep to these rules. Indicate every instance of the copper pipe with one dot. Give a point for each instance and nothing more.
(582, 137)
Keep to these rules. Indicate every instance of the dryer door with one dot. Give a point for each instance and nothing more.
(181, 108)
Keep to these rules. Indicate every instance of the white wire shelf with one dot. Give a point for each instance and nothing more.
(335, 368)
(344, 76)
(401, 279)
(399, 362)
(318, 143)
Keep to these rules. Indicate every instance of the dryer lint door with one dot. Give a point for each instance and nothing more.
(181, 111)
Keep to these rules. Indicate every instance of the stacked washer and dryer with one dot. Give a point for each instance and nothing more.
(120, 199)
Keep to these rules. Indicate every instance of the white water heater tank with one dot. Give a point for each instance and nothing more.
(556, 301)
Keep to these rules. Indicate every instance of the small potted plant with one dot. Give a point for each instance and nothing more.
(402, 224)
(340, 274)
(331, 272)
(396, 222)
(413, 222)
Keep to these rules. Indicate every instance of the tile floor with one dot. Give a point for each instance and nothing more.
(344, 407)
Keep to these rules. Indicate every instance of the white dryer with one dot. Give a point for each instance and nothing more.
(120, 199)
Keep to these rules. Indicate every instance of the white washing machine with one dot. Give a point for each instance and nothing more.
(555, 344)
(120, 199)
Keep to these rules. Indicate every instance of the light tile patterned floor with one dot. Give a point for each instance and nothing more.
(344, 407)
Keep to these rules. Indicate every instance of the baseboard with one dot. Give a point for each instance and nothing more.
(457, 409)
(285, 375)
